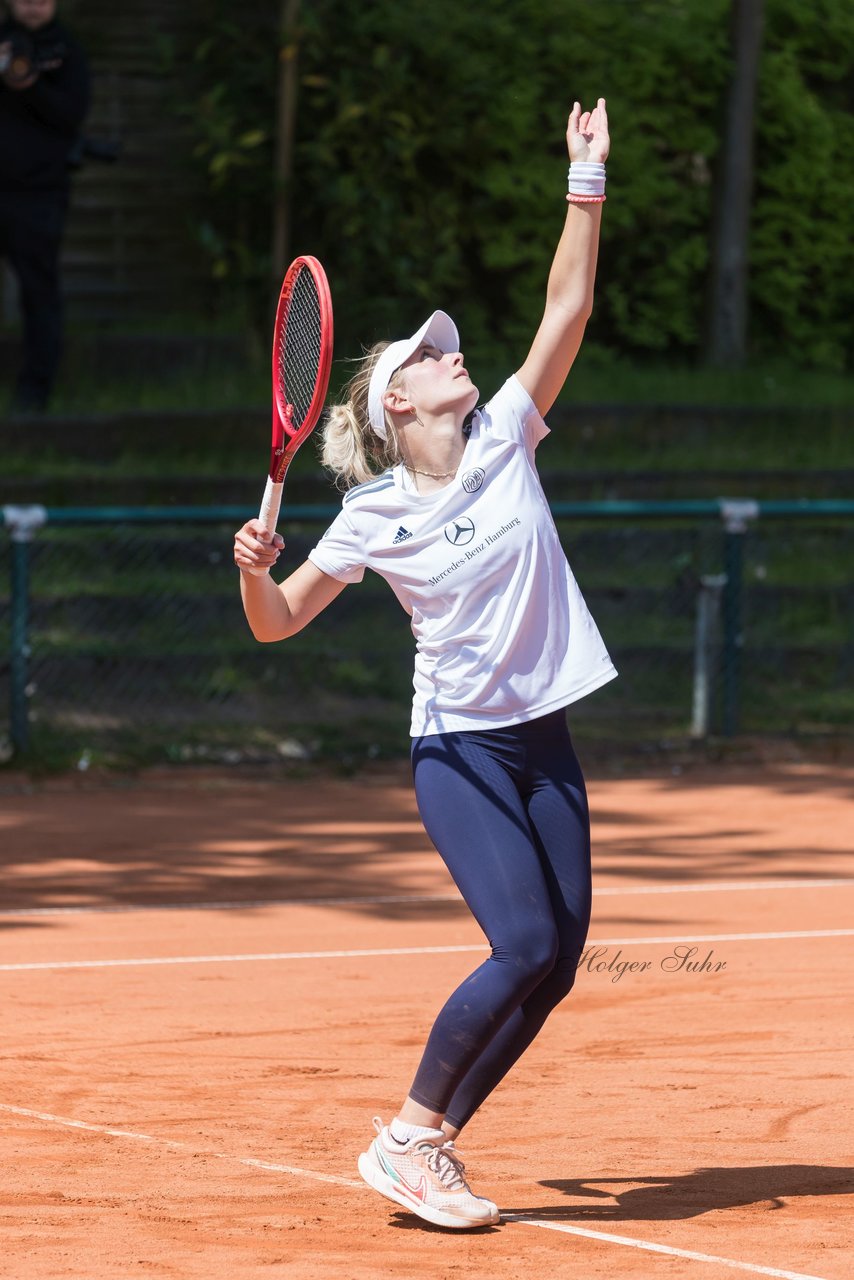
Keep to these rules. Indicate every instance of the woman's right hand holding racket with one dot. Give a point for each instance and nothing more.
(256, 549)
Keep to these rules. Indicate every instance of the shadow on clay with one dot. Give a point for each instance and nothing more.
(688, 1195)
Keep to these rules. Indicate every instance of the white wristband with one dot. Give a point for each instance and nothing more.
(586, 178)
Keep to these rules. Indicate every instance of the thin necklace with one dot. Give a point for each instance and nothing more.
(431, 475)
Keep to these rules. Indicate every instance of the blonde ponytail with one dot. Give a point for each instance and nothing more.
(350, 447)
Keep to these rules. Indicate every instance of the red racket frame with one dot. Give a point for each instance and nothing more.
(286, 438)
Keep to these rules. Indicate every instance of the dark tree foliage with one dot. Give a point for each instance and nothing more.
(439, 144)
(726, 320)
(227, 82)
(802, 243)
(430, 163)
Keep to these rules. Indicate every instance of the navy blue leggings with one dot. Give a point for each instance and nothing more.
(507, 811)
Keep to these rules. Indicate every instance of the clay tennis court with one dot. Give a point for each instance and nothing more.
(210, 984)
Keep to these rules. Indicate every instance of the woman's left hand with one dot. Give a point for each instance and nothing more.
(587, 133)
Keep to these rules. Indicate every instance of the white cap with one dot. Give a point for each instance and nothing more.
(440, 330)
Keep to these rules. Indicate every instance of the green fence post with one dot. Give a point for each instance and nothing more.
(22, 523)
(736, 513)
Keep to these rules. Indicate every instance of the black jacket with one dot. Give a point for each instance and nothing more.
(38, 126)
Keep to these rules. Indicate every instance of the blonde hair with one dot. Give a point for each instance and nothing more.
(350, 447)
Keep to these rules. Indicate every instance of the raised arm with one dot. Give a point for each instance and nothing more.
(276, 612)
(569, 295)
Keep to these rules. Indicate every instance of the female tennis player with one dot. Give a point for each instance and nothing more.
(446, 505)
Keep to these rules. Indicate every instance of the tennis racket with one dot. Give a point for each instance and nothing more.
(302, 361)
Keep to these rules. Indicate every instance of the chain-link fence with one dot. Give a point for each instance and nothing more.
(126, 639)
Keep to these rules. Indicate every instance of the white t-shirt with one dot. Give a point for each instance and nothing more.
(502, 631)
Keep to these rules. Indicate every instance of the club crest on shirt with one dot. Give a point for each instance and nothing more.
(472, 480)
(460, 531)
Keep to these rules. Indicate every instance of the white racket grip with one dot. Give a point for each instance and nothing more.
(271, 504)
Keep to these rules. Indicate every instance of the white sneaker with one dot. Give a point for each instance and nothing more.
(428, 1177)
(493, 1208)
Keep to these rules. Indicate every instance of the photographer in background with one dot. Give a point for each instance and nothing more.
(44, 97)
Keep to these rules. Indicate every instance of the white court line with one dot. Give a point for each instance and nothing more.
(632, 1243)
(711, 886)
(722, 886)
(512, 1219)
(411, 951)
(178, 1146)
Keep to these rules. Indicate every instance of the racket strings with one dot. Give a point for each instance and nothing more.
(299, 349)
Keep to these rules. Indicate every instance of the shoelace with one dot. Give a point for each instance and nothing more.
(448, 1167)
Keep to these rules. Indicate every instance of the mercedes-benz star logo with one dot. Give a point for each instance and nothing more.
(460, 531)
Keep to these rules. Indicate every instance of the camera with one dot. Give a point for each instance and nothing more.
(22, 57)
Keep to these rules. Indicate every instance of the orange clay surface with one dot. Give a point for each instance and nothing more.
(200, 1115)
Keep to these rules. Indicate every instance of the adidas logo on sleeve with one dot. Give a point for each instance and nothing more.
(401, 536)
